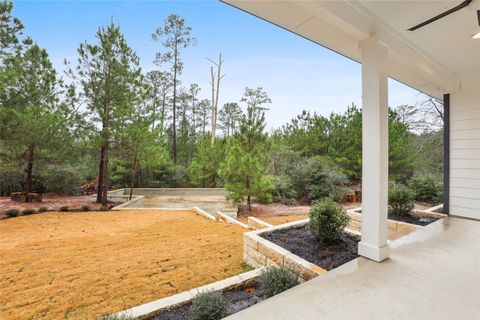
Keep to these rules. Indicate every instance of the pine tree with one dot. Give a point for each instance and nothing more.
(33, 125)
(108, 73)
(175, 36)
(229, 117)
(203, 170)
(246, 163)
(203, 112)
(256, 98)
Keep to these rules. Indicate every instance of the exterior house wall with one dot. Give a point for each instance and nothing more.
(465, 148)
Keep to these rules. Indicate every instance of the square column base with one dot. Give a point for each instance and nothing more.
(374, 253)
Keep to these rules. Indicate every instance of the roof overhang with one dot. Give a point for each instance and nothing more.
(342, 25)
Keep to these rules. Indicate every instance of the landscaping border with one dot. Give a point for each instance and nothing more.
(259, 252)
(151, 308)
(139, 200)
(203, 213)
(255, 223)
(355, 222)
(226, 218)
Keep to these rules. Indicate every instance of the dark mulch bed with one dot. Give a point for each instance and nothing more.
(302, 242)
(238, 299)
(410, 218)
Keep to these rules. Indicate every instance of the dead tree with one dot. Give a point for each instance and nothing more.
(215, 78)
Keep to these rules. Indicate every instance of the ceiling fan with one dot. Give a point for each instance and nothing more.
(462, 5)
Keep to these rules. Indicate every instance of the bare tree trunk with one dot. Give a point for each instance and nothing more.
(105, 137)
(100, 176)
(214, 125)
(249, 200)
(29, 169)
(104, 186)
(175, 67)
(162, 115)
(215, 93)
(134, 173)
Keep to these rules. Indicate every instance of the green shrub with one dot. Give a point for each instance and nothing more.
(103, 208)
(42, 209)
(116, 317)
(327, 220)
(64, 208)
(324, 180)
(401, 199)
(208, 305)
(86, 207)
(11, 176)
(274, 280)
(12, 213)
(61, 179)
(28, 211)
(284, 189)
(427, 188)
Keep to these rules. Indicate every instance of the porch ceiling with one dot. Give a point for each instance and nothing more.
(431, 59)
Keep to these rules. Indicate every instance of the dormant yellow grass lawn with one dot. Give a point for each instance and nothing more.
(84, 264)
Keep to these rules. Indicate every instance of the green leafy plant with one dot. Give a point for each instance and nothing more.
(42, 209)
(426, 188)
(103, 208)
(208, 305)
(401, 199)
(274, 280)
(28, 211)
(64, 208)
(12, 213)
(86, 207)
(327, 220)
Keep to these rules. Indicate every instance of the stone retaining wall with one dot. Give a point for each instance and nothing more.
(258, 252)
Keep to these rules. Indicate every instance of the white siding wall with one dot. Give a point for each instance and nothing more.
(465, 148)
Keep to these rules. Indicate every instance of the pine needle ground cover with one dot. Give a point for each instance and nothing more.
(81, 265)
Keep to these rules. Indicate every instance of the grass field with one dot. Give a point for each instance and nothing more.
(82, 265)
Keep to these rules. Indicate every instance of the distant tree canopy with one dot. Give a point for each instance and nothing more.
(124, 127)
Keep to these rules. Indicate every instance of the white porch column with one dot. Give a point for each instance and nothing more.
(374, 150)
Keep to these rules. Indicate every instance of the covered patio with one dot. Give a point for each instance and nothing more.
(434, 272)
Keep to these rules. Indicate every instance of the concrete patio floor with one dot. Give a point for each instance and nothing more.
(432, 273)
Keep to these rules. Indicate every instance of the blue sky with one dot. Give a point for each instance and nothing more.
(296, 73)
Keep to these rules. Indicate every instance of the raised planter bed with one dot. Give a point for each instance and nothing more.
(266, 247)
(240, 292)
(415, 217)
(302, 242)
(238, 299)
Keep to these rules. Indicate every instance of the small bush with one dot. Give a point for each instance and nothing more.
(284, 189)
(116, 317)
(274, 280)
(327, 220)
(86, 207)
(103, 208)
(42, 209)
(401, 199)
(12, 213)
(426, 188)
(208, 305)
(28, 211)
(324, 179)
(61, 179)
(64, 208)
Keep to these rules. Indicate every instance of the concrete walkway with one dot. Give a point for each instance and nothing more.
(432, 273)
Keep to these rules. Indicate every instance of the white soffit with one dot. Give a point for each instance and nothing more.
(430, 59)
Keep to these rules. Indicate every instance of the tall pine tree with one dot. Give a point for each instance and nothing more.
(245, 169)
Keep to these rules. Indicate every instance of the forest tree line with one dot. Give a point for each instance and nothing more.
(107, 120)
